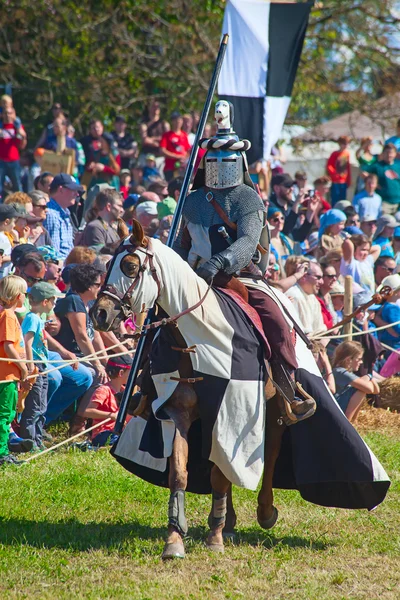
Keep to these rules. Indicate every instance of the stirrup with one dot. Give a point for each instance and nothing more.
(302, 407)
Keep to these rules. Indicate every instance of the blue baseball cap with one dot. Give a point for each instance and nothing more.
(66, 181)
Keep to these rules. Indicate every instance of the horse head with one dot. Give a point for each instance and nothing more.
(132, 284)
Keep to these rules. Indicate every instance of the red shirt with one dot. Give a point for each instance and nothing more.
(177, 143)
(105, 400)
(9, 143)
(338, 167)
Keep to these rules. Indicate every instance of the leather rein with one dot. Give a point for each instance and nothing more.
(124, 299)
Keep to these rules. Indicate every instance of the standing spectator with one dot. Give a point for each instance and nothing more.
(63, 192)
(187, 127)
(12, 140)
(102, 230)
(150, 168)
(43, 181)
(368, 202)
(322, 185)
(339, 171)
(388, 172)
(365, 157)
(8, 216)
(91, 142)
(350, 388)
(395, 139)
(304, 297)
(12, 295)
(104, 166)
(60, 130)
(124, 182)
(175, 146)
(57, 112)
(80, 153)
(358, 260)
(152, 131)
(41, 298)
(127, 147)
(384, 233)
(282, 198)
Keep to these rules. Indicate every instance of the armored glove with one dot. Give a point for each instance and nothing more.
(223, 261)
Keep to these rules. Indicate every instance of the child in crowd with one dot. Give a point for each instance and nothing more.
(150, 168)
(358, 261)
(351, 389)
(125, 182)
(103, 403)
(8, 215)
(42, 297)
(12, 296)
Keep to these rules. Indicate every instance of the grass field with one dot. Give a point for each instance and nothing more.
(76, 525)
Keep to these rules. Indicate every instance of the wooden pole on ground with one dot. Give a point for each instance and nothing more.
(348, 305)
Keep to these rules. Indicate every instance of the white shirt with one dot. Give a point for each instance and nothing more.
(5, 245)
(308, 308)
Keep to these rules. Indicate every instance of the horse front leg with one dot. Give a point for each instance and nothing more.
(220, 487)
(177, 524)
(267, 513)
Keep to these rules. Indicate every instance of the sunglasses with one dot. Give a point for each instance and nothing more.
(331, 276)
(40, 206)
(354, 222)
(96, 284)
(389, 269)
(31, 280)
(318, 277)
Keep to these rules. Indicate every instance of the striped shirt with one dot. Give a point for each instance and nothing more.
(58, 224)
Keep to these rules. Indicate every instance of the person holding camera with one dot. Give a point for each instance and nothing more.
(12, 140)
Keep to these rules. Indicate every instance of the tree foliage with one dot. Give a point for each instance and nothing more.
(102, 57)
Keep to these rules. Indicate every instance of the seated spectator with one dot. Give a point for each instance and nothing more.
(332, 224)
(150, 168)
(159, 186)
(295, 268)
(12, 295)
(20, 198)
(164, 227)
(324, 296)
(384, 266)
(174, 188)
(322, 185)
(368, 202)
(339, 170)
(304, 297)
(37, 234)
(337, 298)
(80, 255)
(8, 216)
(368, 226)
(125, 182)
(166, 207)
(104, 404)
(101, 231)
(352, 218)
(396, 246)
(41, 297)
(300, 178)
(324, 365)
(384, 233)
(281, 245)
(105, 163)
(42, 183)
(358, 261)
(351, 389)
(77, 334)
(390, 313)
(146, 213)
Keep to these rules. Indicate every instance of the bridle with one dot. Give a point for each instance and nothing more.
(111, 291)
(124, 299)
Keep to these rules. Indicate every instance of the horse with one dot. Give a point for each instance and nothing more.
(144, 272)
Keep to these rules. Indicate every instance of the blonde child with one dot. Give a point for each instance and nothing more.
(12, 296)
(351, 389)
(41, 297)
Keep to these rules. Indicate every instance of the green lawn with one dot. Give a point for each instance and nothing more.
(76, 525)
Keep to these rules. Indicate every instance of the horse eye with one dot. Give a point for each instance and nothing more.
(129, 268)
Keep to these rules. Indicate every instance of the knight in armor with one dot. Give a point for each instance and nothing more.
(223, 220)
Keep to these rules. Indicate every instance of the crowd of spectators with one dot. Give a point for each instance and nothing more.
(58, 232)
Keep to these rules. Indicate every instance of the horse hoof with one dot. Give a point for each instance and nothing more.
(269, 523)
(174, 550)
(229, 535)
(217, 548)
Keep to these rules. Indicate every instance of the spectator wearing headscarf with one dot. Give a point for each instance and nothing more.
(385, 228)
(331, 225)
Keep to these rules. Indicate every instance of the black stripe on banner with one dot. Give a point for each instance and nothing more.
(248, 123)
(287, 29)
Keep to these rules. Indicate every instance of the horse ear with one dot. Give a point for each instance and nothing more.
(137, 238)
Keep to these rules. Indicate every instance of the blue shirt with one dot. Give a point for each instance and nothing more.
(33, 323)
(368, 205)
(58, 224)
(386, 246)
(390, 314)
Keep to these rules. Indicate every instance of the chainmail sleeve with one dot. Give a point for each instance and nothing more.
(249, 228)
(182, 241)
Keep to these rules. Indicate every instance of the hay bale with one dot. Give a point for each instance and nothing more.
(378, 419)
(390, 393)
